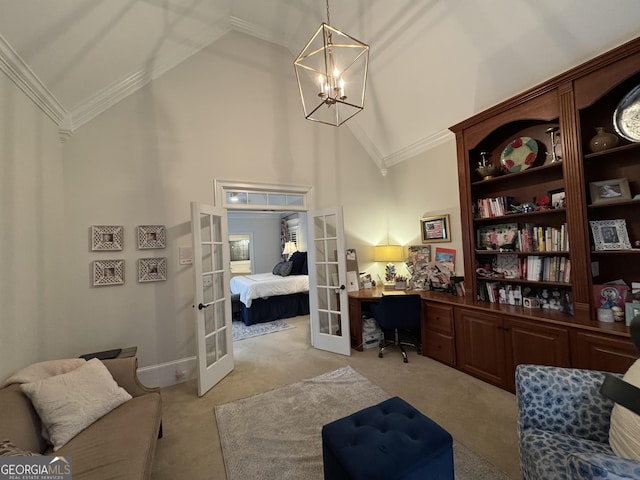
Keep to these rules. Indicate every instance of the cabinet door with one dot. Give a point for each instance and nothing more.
(602, 352)
(531, 342)
(480, 345)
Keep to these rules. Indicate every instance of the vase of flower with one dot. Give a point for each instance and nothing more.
(603, 140)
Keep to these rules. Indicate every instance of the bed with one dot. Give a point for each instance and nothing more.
(266, 297)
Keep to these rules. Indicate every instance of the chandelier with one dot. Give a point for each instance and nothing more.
(332, 75)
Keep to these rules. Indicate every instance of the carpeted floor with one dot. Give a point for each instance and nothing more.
(240, 331)
(280, 430)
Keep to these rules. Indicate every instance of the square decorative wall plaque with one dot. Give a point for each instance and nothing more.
(152, 269)
(106, 237)
(152, 236)
(108, 272)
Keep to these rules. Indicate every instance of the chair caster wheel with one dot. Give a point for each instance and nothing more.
(380, 355)
(405, 360)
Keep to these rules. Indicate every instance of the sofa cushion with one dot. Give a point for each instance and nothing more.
(120, 445)
(70, 402)
(8, 449)
(19, 422)
(624, 433)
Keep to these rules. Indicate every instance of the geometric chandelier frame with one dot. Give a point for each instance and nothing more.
(331, 71)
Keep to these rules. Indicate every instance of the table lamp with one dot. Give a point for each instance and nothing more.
(388, 254)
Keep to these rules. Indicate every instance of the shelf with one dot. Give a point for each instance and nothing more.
(616, 203)
(563, 253)
(523, 281)
(510, 176)
(510, 216)
(633, 251)
(612, 151)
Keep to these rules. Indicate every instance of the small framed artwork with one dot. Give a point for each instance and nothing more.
(610, 234)
(152, 236)
(108, 272)
(609, 191)
(498, 237)
(152, 269)
(106, 237)
(558, 198)
(435, 229)
(447, 256)
(632, 310)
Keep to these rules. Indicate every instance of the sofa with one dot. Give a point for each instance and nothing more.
(564, 426)
(118, 445)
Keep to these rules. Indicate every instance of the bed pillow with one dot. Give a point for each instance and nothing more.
(283, 269)
(69, 403)
(299, 260)
(624, 432)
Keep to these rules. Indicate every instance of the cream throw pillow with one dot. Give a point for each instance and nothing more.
(69, 403)
(624, 433)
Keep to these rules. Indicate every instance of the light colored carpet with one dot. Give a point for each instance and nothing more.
(240, 331)
(277, 435)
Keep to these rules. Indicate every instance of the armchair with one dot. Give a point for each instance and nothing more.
(563, 426)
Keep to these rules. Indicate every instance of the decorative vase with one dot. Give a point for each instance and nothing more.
(603, 140)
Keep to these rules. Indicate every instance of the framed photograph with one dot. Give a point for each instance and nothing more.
(609, 191)
(610, 234)
(447, 256)
(108, 272)
(557, 198)
(435, 229)
(106, 237)
(152, 269)
(503, 236)
(152, 236)
(632, 310)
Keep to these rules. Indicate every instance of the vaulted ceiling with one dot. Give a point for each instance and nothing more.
(432, 62)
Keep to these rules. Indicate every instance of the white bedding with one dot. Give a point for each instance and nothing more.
(262, 285)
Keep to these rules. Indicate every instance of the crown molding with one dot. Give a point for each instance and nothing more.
(19, 72)
(421, 146)
(121, 89)
(368, 146)
(252, 29)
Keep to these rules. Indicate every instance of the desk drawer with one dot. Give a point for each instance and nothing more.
(439, 317)
(440, 347)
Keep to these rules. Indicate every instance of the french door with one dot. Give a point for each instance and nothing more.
(212, 305)
(328, 300)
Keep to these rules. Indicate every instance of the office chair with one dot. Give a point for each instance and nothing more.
(399, 314)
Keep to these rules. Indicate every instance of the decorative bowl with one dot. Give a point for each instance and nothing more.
(487, 171)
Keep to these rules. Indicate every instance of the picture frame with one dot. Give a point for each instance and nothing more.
(435, 229)
(610, 234)
(502, 237)
(607, 191)
(557, 198)
(152, 236)
(632, 309)
(152, 269)
(446, 256)
(107, 272)
(107, 237)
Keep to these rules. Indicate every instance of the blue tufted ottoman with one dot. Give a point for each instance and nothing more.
(391, 440)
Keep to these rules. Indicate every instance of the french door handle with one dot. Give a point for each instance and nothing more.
(204, 305)
(342, 287)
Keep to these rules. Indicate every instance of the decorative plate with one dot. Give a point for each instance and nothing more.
(626, 118)
(519, 154)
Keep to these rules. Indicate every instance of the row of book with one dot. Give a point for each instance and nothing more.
(529, 238)
(543, 239)
(508, 294)
(546, 269)
(493, 207)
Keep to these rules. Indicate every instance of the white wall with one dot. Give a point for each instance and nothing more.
(266, 237)
(33, 325)
(230, 112)
(424, 186)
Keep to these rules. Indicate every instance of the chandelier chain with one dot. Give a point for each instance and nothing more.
(328, 19)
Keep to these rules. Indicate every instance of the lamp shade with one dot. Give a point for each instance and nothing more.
(387, 253)
(289, 248)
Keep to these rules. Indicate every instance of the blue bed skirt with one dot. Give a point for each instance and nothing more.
(272, 308)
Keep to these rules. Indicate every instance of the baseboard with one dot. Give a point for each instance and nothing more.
(167, 374)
